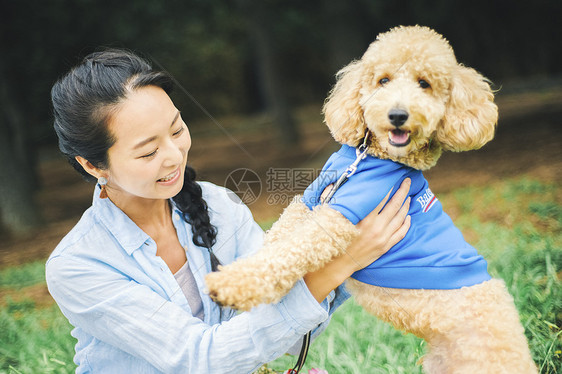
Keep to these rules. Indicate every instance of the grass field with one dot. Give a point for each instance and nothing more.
(516, 224)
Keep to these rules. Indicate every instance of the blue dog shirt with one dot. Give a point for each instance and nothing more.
(432, 255)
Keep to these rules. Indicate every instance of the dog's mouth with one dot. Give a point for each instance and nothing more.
(399, 138)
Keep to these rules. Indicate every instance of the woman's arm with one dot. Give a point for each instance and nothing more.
(380, 230)
(131, 313)
(133, 318)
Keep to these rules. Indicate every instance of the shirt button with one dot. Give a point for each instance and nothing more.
(176, 216)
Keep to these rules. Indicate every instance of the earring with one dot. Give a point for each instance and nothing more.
(102, 181)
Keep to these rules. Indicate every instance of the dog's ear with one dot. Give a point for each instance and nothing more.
(342, 113)
(471, 115)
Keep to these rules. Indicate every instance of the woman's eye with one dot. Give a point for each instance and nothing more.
(150, 154)
(179, 131)
(423, 84)
(384, 81)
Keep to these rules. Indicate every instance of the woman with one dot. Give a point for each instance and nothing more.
(130, 275)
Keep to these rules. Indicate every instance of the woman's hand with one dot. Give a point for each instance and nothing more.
(382, 228)
(379, 232)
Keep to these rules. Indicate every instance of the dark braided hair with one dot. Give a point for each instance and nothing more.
(83, 101)
(195, 211)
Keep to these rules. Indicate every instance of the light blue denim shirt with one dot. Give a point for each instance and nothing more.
(130, 315)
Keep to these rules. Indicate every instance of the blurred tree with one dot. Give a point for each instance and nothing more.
(345, 38)
(18, 182)
(504, 39)
(273, 88)
(39, 41)
(236, 57)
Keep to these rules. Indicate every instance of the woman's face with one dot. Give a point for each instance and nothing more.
(149, 155)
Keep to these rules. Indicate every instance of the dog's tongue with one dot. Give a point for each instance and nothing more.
(399, 137)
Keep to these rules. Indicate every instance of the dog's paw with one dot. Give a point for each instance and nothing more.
(221, 290)
(238, 290)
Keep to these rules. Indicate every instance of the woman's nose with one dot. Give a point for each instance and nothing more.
(173, 154)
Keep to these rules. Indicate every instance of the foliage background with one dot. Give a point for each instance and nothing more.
(252, 76)
(238, 57)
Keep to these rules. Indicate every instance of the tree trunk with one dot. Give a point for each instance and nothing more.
(345, 41)
(270, 81)
(18, 212)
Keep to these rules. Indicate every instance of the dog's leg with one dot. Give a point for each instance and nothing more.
(300, 242)
(472, 330)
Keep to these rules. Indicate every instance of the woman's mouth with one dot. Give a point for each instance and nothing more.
(399, 138)
(170, 178)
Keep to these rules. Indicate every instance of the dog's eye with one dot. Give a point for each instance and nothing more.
(423, 84)
(384, 81)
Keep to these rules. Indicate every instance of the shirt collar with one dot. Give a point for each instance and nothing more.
(125, 231)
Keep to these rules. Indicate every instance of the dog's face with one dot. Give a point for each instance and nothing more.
(404, 90)
(414, 98)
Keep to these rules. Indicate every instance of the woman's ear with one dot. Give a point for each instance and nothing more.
(471, 115)
(342, 113)
(89, 167)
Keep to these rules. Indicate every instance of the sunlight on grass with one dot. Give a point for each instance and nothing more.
(516, 224)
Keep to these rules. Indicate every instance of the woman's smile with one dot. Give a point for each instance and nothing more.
(171, 178)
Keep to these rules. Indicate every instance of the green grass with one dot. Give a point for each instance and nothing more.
(516, 224)
(35, 340)
(355, 342)
(22, 276)
(32, 339)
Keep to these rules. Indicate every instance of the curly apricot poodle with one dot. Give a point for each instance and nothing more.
(394, 111)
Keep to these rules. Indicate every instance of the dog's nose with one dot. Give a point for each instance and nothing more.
(398, 117)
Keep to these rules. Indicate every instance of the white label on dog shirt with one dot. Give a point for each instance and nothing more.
(427, 200)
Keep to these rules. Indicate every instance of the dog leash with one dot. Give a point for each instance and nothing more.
(360, 153)
(302, 356)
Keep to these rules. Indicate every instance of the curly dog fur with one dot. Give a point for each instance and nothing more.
(449, 107)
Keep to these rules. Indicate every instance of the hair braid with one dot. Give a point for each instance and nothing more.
(195, 211)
